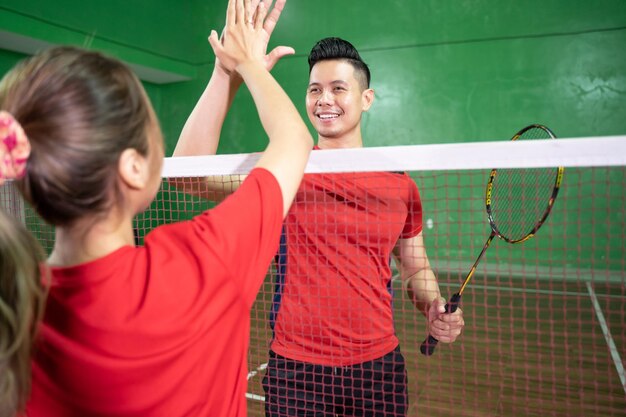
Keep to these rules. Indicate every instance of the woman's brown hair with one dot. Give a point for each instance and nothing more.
(80, 110)
(22, 294)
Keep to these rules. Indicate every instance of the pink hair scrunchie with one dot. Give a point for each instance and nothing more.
(14, 148)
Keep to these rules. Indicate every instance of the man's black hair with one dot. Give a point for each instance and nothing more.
(337, 48)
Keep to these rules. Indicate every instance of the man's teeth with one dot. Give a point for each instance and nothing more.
(328, 116)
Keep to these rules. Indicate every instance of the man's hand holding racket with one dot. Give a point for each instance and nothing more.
(443, 326)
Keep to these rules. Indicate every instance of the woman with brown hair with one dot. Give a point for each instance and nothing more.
(161, 329)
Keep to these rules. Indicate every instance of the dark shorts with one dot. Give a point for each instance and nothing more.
(376, 388)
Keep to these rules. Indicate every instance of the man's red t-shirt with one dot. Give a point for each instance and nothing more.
(333, 299)
(161, 330)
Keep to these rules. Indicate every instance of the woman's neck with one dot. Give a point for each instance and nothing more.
(90, 239)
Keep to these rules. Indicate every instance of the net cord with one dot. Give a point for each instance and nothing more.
(570, 152)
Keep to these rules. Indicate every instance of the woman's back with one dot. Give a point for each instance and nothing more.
(161, 329)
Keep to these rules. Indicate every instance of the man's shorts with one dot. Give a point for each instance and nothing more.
(375, 388)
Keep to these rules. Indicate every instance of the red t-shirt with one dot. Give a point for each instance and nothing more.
(161, 330)
(333, 299)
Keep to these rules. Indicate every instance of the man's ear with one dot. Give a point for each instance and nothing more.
(132, 168)
(367, 98)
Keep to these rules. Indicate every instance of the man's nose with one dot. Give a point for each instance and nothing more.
(325, 97)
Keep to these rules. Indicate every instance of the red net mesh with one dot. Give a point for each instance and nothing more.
(545, 330)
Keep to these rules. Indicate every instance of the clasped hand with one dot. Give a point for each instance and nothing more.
(246, 34)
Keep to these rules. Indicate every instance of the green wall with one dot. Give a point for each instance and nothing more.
(443, 71)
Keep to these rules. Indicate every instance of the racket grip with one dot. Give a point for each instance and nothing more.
(430, 343)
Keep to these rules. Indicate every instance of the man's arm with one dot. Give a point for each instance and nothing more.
(201, 133)
(202, 130)
(423, 289)
(243, 50)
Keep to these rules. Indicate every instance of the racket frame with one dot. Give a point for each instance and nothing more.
(555, 191)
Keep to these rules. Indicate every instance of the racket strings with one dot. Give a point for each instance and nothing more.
(520, 197)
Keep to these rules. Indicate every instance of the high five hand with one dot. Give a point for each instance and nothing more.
(243, 15)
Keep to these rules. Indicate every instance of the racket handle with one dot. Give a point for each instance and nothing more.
(430, 343)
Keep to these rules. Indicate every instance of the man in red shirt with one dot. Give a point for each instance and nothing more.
(334, 350)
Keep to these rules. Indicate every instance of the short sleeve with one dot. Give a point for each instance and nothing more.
(413, 224)
(246, 227)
